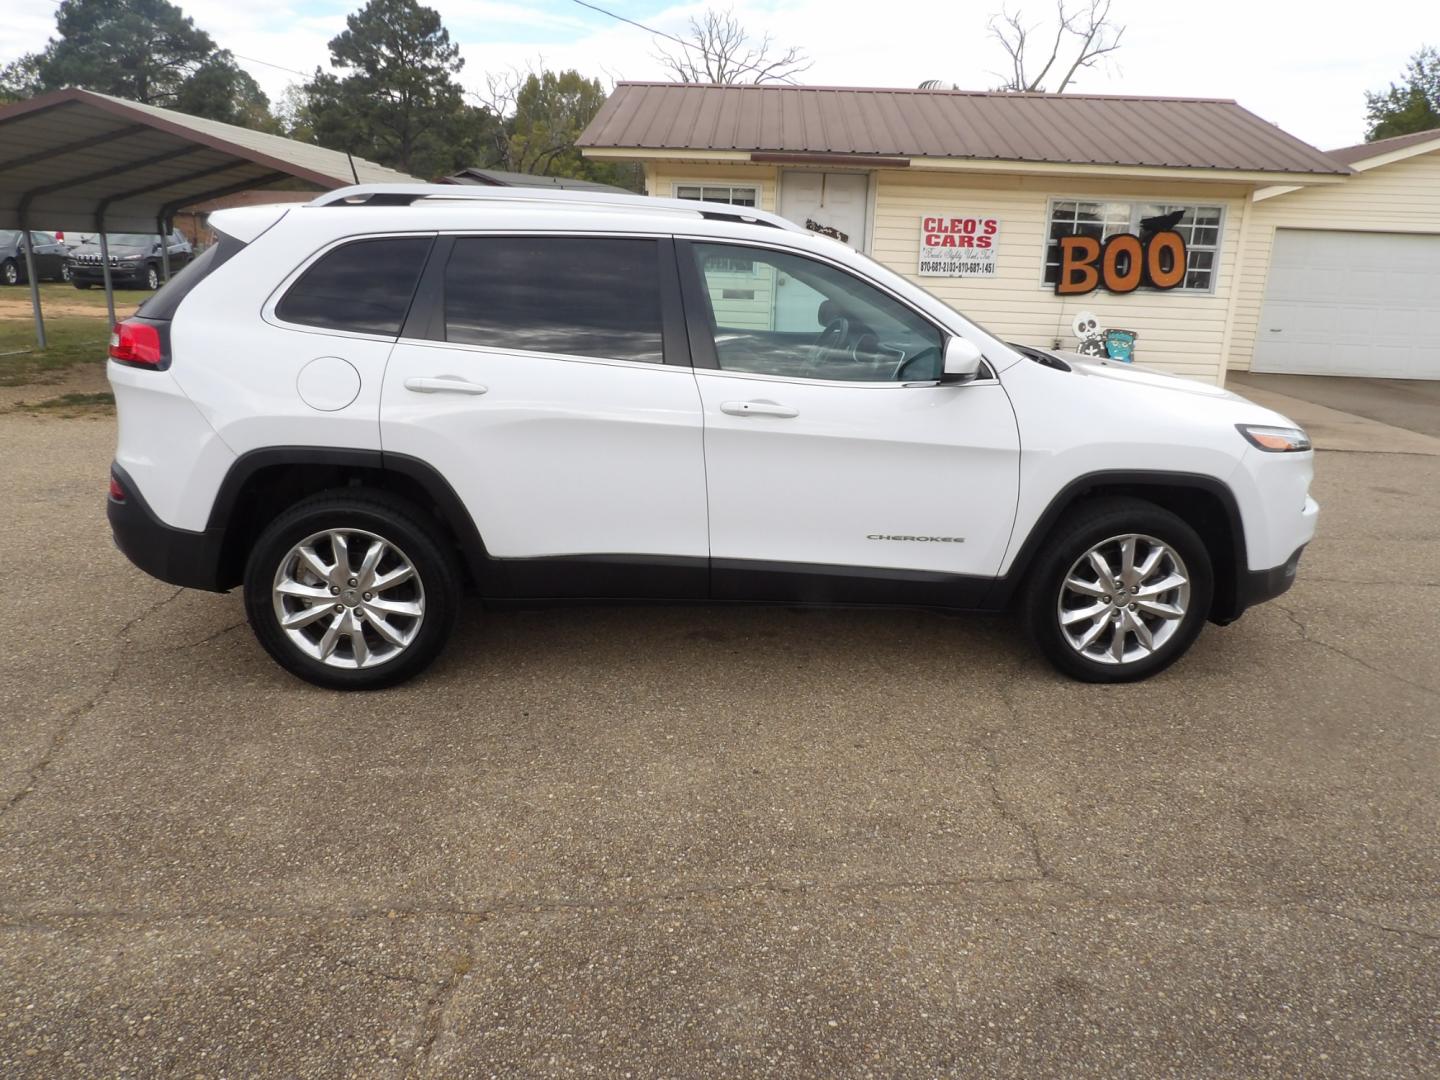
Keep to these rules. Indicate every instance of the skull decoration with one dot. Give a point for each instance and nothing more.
(1092, 337)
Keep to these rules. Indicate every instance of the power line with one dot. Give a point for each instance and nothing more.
(668, 37)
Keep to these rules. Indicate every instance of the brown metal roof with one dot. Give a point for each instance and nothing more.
(1360, 151)
(1076, 129)
(73, 155)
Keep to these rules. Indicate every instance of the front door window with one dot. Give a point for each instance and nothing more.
(774, 313)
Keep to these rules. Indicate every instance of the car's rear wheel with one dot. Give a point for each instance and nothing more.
(10, 272)
(152, 277)
(1121, 593)
(353, 591)
(64, 271)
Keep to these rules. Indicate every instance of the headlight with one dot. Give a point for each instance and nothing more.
(1275, 440)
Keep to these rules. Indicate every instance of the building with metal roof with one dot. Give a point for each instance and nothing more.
(504, 178)
(1027, 211)
(962, 125)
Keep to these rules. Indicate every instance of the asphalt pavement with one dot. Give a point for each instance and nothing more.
(717, 842)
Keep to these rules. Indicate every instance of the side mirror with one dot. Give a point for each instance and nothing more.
(962, 361)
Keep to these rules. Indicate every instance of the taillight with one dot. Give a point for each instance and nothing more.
(138, 343)
(116, 491)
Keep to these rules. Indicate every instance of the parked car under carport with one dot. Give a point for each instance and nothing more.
(135, 259)
(50, 257)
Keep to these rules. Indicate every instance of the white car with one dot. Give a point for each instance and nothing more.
(368, 408)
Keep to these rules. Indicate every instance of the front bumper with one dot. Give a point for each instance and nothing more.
(1257, 586)
(91, 274)
(177, 556)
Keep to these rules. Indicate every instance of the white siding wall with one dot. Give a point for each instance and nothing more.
(1178, 331)
(1401, 197)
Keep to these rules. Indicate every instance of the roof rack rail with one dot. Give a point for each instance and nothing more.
(410, 194)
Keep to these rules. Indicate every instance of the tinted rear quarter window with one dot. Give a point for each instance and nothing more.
(364, 286)
(577, 296)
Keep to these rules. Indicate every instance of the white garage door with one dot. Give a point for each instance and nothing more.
(1348, 303)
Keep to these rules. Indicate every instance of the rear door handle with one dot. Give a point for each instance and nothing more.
(445, 384)
(757, 408)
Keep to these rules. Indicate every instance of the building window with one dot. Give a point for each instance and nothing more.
(735, 195)
(1199, 227)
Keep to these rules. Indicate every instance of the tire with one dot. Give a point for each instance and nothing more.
(80, 284)
(379, 660)
(1066, 581)
(10, 272)
(152, 277)
(65, 272)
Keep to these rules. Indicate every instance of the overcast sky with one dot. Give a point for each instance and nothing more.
(1285, 61)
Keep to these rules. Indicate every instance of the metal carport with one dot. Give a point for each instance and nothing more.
(78, 160)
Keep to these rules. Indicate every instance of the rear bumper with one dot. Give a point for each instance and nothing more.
(177, 556)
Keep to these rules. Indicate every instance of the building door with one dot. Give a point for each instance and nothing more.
(1351, 303)
(834, 200)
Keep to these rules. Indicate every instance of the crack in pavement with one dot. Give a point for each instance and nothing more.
(388, 976)
(508, 906)
(433, 1015)
(70, 719)
(1002, 806)
(1308, 579)
(1369, 924)
(1305, 636)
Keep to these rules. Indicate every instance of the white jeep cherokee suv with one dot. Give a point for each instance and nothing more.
(366, 408)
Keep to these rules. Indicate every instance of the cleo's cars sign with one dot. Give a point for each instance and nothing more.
(959, 245)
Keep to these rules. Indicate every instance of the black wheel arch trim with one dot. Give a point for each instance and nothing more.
(1225, 607)
(436, 487)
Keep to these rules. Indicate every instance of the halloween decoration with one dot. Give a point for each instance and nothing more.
(1120, 345)
(1122, 263)
(827, 230)
(1092, 337)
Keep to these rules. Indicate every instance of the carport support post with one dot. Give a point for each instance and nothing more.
(34, 284)
(164, 246)
(105, 270)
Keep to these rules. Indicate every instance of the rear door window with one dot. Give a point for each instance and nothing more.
(364, 287)
(573, 296)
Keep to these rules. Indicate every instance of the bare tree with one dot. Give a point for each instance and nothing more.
(1086, 35)
(719, 50)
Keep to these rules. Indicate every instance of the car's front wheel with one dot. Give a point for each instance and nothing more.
(10, 272)
(1121, 593)
(152, 278)
(353, 591)
(64, 271)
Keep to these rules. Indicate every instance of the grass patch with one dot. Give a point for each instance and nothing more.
(77, 329)
(72, 340)
(72, 405)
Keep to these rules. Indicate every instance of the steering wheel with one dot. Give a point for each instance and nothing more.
(834, 336)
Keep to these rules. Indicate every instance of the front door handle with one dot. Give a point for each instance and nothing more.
(445, 384)
(757, 408)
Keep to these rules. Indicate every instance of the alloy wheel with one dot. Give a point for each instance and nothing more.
(152, 278)
(348, 598)
(12, 274)
(1123, 599)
